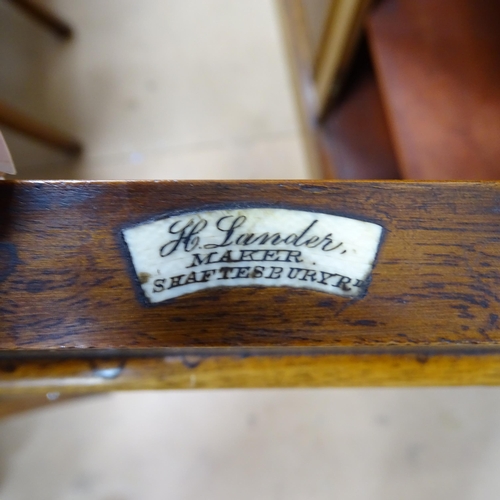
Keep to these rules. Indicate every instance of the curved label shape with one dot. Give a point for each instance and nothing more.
(274, 247)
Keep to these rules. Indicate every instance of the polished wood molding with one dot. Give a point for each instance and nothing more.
(72, 317)
(75, 373)
(338, 44)
(300, 62)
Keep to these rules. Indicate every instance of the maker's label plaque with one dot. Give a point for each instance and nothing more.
(185, 253)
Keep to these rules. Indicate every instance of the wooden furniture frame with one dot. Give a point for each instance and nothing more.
(319, 70)
(72, 319)
(45, 17)
(19, 121)
(380, 102)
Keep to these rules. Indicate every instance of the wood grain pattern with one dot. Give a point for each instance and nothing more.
(205, 368)
(66, 284)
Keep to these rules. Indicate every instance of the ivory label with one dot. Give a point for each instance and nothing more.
(185, 253)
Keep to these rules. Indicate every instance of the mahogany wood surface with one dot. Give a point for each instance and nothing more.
(438, 66)
(67, 286)
(355, 128)
(349, 140)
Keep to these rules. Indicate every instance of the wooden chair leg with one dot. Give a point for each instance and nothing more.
(16, 120)
(46, 17)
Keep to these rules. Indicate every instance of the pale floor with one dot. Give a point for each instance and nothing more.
(199, 89)
(185, 89)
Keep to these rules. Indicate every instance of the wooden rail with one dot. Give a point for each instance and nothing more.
(74, 317)
(45, 17)
(18, 121)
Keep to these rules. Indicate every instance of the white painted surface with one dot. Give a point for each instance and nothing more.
(253, 246)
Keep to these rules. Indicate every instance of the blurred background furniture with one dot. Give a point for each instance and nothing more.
(397, 88)
(6, 163)
(44, 16)
(17, 120)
